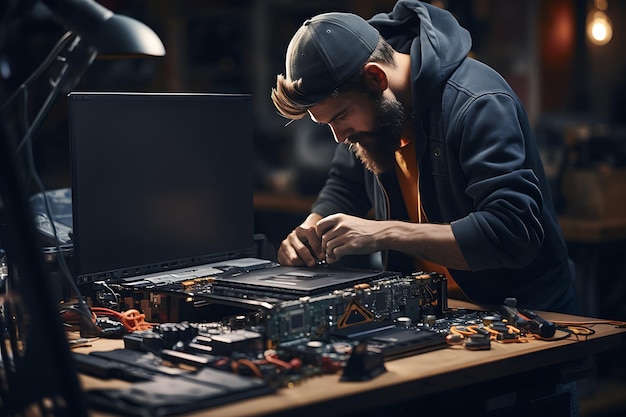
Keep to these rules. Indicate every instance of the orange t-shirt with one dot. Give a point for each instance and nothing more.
(408, 177)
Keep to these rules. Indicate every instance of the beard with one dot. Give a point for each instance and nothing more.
(376, 149)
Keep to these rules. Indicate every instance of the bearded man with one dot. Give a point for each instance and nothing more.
(435, 144)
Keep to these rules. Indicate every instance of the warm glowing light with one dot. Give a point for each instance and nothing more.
(599, 31)
(599, 28)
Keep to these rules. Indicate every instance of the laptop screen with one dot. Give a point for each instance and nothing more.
(159, 181)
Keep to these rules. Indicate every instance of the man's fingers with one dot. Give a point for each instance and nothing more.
(308, 239)
(301, 249)
(315, 248)
(326, 224)
(287, 255)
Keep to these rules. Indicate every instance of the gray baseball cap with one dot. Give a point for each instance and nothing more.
(326, 51)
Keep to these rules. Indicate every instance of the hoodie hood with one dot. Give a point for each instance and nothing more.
(433, 38)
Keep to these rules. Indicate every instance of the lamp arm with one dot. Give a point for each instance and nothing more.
(52, 56)
(78, 59)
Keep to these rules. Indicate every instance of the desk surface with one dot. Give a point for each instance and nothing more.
(413, 376)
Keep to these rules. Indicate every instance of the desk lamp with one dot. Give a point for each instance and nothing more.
(111, 34)
(93, 30)
(38, 375)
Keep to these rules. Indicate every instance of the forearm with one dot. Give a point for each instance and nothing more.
(432, 242)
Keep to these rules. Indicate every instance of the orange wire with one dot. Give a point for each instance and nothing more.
(456, 330)
(131, 319)
(251, 365)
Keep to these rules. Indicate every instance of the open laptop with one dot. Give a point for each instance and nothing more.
(160, 182)
(162, 191)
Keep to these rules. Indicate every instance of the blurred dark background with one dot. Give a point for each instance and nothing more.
(574, 90)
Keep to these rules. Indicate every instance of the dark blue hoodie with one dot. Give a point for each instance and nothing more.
(479, 165)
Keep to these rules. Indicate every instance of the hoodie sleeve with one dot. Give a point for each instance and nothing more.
(505, 229)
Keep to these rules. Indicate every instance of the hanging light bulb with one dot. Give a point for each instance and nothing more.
(599, 26)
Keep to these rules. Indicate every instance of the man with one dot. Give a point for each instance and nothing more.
(437, 144)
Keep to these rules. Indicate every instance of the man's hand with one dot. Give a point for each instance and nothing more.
(342, 235)
(302, 246)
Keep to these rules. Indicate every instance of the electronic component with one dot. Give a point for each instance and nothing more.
(365, 363)
(399, 342)
(510, 313)
(478, 341)
(107, 368)
(410, 297)
(527, 320)
(167, 395)
(147, 361)
(236, 341)
(538, 325)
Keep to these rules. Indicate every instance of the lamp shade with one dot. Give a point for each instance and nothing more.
(122, 35)
(112, 35)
